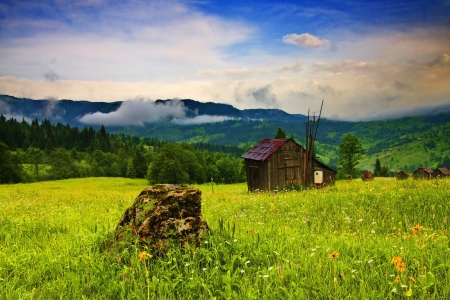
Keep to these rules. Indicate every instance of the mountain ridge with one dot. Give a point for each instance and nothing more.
(402, 143)
(71, 111)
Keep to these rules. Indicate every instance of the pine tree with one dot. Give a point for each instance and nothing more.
(280, 134)
(377, 170)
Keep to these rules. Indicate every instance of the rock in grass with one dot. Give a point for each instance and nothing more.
(163, 214)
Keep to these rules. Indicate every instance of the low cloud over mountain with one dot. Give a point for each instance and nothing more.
(139, 112)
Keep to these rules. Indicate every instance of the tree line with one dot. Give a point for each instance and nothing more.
(44, 151)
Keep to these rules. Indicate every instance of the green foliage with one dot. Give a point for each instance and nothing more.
(350, 154)
(281, 134)
(377, 170)
(131, 172)
(99, 153)
(11, 170)
(337, 242)
(61, 164)
(35, 156)
(182, 163)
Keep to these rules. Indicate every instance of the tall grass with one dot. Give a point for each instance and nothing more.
(338, 242)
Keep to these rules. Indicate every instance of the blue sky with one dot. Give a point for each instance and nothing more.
(366, 59)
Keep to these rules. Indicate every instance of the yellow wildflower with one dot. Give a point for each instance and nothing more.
(396, 260)
(332, 255)
(416, 229)
(144, 255)
(401, 267)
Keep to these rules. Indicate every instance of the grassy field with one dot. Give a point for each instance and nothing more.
(379, 239)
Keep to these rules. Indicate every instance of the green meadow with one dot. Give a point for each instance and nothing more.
(356, 240)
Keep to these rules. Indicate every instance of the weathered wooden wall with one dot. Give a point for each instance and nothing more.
(285, 166)
(421, 174)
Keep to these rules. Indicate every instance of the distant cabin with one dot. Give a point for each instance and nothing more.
(402, 175)
(441, 173)
(422, 173)
(276, 163)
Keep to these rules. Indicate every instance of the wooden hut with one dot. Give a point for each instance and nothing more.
(276, 163)
(422, 173)
(402, 175)
(441, 173)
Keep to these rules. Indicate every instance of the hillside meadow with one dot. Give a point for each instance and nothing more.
(356, 240)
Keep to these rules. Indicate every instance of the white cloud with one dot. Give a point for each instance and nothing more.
(166, 49)
(202, 119)
(141, 42)
(305, 40)
(293, 67)
(137, 113)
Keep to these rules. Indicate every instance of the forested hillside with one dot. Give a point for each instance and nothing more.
(44, 151)
(406, 143)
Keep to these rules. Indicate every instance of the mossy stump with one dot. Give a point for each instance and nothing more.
(163, 214)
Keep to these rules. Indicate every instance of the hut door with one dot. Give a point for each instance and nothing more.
(290, 169)
(252, 176)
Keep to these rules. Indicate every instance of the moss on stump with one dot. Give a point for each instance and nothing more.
(163, 214)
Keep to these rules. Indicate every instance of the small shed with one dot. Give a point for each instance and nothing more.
(422, 173)
(441, 173)
(329, 175)
(276, 163)
(402, 175)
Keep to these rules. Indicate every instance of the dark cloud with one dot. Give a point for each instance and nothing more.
(441, 61)
(414, 111)
(328, 90)
(300, 95)
(402, 86)
(386, 98)
(429, 110)
(263, 95)
(51, 76)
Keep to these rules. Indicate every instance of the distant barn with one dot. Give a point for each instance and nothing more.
(441, 173)
(422, 173)
(276, 163)
(402, 175)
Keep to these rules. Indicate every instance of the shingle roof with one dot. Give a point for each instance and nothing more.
(426, 169)
(264, 149)
(444, 171)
